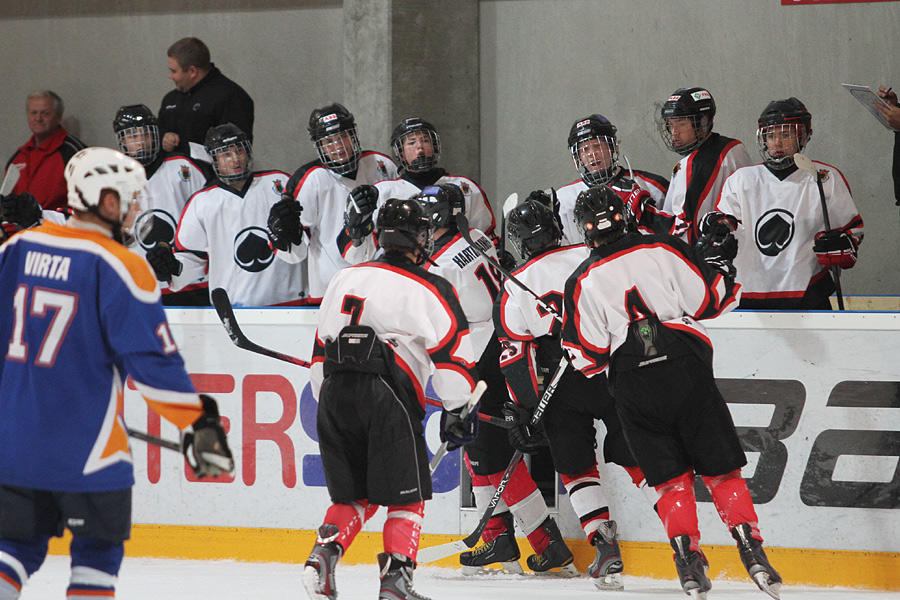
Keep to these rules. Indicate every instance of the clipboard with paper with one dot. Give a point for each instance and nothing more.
(869, 99)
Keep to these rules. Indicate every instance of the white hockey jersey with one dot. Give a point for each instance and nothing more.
(229, 226)
(475, 280)
(634, 278)
(323, 195)
(416, 312)
(622, 184)
(698, 177)
(778, 223)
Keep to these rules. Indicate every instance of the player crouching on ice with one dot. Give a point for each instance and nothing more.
(633, 311)
(383, 326)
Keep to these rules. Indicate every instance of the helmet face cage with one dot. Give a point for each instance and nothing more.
(93, 170)
(414, 133)
(693, 107)
(600, 215)
(340, 151)
(233, 162)
(405, 224)
(785, 128)
(140, 143)
(596, 158)
(442, 202)
(532, 226)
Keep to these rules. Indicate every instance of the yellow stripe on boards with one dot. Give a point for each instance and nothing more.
(869, 570)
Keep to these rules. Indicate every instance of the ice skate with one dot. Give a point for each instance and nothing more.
(692, 567)
(606, 570)
(556, 555)
(318, 574)
(755, 561)
(396, 578)
(503, 550)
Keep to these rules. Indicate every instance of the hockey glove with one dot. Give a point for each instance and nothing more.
(163, 261)
(506, 260)
(522, 436)
(457, 431)
(636, 202)
(361, 205)
(284, 223)
(835, 248)
(206, 449)
(723, 266)
(717, 239)
(542, 197)
(21, 209)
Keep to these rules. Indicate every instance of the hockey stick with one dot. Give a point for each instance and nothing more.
(480, 387)
(223, 307)
(10, 181)
(152, 439)
(433, 553)
(508, 205)
(463, 224)
(805, 164)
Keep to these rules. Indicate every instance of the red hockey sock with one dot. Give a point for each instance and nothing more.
(732, 500)
(349, 518)
(483, 490)
(401, 530)
(527, 505)
(677, 508)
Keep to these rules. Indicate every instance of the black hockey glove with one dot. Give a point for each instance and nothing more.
(21, 209)
(522, 436)
(162, 259)
(835, 248)
(457, 431)
(717, 241)
(284, 223)
(206, 448)
(542, 197)
(723, 266)
(361, 205)
(506, 259)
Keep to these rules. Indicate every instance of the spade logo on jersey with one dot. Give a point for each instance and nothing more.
(253, 249)
(155, 225)
(774, 231)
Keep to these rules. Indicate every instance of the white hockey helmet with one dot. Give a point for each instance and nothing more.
(95, 169)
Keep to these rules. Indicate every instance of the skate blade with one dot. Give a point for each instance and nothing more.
(512, 568)
(762, 581)
(311, 583)
(612, 582)
(567, 571)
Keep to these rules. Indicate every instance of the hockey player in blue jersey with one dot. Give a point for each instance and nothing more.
(81, 314)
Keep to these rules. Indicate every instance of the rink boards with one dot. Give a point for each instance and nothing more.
(816, 399)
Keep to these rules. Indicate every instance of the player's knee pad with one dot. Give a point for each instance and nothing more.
(19, 559)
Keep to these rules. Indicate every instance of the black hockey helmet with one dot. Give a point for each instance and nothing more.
(600, 215)
(532, 226)
(223, 138)
(411, 126)
(137, 132)
(404, 224)
(327, 121)
(780, 116)
(600, 128)
(443, 202)
(696, 104)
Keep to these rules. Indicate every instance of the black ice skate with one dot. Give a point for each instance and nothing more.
(503, 549)
(755, 561)
(318, 575)
(557, 554)
(396, 578)
(692, 567)
(606, 570)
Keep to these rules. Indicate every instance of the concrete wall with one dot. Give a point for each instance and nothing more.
(545, 63)
(542, 64)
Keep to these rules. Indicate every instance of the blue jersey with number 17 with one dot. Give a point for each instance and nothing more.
(79, 313)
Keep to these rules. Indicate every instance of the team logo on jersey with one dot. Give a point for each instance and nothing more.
(253, 249)
(196, 107)
(153, 226)
(676, 168)
(465, 188)
(824, 175)
(185, 173)
(774, 231)
(382, 168)
(278, 187)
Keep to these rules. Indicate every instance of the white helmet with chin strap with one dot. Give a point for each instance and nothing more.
(95, 169)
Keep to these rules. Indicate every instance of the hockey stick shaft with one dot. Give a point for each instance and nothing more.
(155, 440)
(433, 553)
(804, 163)
(480, 387)
(223, 307)
(463, 224)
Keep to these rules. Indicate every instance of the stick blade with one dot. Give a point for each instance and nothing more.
(804, 163)
(510, 203)
(10, 181)
(222, 304)
(433, 553)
